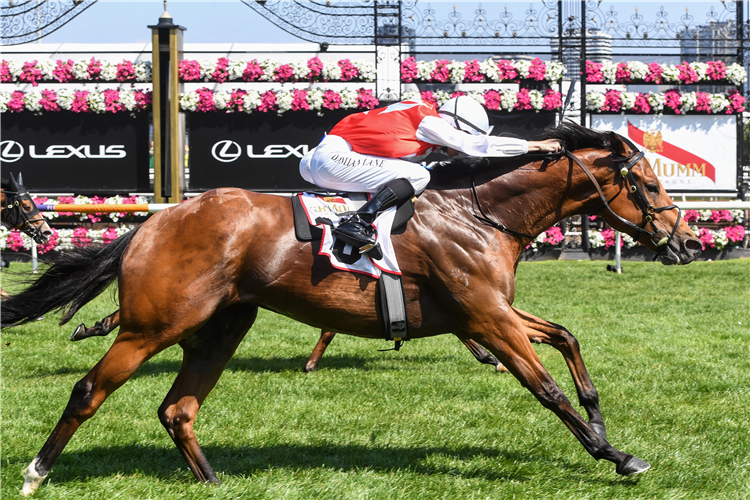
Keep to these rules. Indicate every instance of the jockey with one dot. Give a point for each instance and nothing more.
(378, 152)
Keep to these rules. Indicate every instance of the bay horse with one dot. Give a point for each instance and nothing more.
(196, 274)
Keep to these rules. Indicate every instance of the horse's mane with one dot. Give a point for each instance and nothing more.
(573, 135)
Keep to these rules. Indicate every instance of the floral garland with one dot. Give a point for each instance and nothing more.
(312, 70)
(717, 239)
(96, 200)
(70, 71)
(280, 101)
(551, 237)
(508, 100)
(715, 216)
(77, 101)
(61, 239)
(475, 71)
(685, 73)
(672, 101)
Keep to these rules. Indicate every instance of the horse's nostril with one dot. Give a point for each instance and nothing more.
(47, 233)
(693, 244)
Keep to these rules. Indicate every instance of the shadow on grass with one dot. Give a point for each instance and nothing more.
(167, 464)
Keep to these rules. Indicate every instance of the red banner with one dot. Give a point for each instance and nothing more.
(667, 150)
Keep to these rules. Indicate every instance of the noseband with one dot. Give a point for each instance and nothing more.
(15, 217)
(658, 236)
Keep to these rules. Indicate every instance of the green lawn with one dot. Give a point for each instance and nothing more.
(667, 347)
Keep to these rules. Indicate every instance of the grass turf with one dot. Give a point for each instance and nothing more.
(668, 348)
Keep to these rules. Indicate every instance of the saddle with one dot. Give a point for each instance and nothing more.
(309, 227)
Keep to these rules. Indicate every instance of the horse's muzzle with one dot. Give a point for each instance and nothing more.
(681, 251)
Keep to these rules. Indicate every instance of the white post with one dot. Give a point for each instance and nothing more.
(34, 261)
(618, 240)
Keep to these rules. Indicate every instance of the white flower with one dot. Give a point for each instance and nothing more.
(554, 71)
(207, 69)
(638, 70)
(143, 71)
(595, 101)
(477, 96)
(737, 215)
(670, 74)
(189, 101)
(720, 239)
(284, 100)
(522, 67)
(457, 71)
(489, 68)
(508, 100)
(81, 70)
(109, 71)
(15, 67)
(127, 99)
(718, 103)
(688, 102)
(609, 70)
(96, 101)
(628, 240)
(47, 67)
(221, 99)
(4, 100)
(251, 101)
(537, 99)
(268, 67)
(331, 70)
(705, 214)
(236, 69)
(596, 240)
(406, 96)
(3, 238)
(31, 100)
(315, 99)
(736, 74)
(656, 101)
(300, 70)
(425, 69)
(628, 100)
(65, 98)
(700, 69)
(366, 70)
(348, 98)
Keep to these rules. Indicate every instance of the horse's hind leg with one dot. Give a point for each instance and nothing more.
(100, 329)
(326, 336)
(205, 354)
(128, 352)
(561, 339)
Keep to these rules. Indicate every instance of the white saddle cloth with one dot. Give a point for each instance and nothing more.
(326, 212)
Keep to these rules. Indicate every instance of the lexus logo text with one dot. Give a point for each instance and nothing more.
(227, 151)
(10, 151)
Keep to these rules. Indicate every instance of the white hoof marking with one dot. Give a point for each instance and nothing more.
(32, 479)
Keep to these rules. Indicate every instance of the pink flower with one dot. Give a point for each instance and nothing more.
(268, 102)
(492, 99)
(125, 71)
(348, 70)
(472, 73)
(524, 100)
(236, 101)
(15, 241)
(442, 72)
(654, 73)
(706, 237)
(429, 97)
(221, 74)
(366, 100)
(189, 71)
(554, 235)
(331, 99)
(687, 74)
(80, 102)
(609, 238)
(594, 73)
(5, 75)
(720, 216)
(552, 100)
(692, 216)
(736, 101)
(283, 73)
(112, 100)
(457, 93)
(16, 103)
(53, 241)
(142, 99)
(641, 104)
(49, 101)
(299, 100)
(673, 100)
(735, 233)
(109, 235)
(506, 70)
(94, 68)
(30, 73)
(623, 73)
(408, 69)
(537, 69)
(64, 71)
(80, 237)
(716, 70)
(253, 72)
(206, 102)
(612, 101)
(703, 102)
(315, 65)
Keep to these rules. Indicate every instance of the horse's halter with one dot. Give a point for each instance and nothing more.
(15, 217)
(658, 237)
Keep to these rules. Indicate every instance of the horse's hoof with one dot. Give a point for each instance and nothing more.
(599, 429)
(32, 479)
(309, 368)
(631, 466)
(78, 330)
(500, 368)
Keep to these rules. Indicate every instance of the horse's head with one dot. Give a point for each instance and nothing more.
(20, 212)
(640, 206)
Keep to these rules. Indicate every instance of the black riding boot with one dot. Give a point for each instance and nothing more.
(357, 229)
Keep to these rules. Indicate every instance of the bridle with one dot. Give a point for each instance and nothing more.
(659, 237)
(16, 218)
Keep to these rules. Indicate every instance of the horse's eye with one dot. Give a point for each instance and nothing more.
(652, 188)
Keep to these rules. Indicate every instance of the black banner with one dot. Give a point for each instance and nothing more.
(78, 153)
(261, 151)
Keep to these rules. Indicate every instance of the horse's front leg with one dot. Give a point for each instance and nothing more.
(502, 331)
(561, 339)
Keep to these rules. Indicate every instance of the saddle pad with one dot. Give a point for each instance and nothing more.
(325, 212)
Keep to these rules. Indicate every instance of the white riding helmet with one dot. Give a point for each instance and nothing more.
(466, 115)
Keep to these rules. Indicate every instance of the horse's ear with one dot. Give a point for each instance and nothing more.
(618, 147)
(13, 183)
(20, 179)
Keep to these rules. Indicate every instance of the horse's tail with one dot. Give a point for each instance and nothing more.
(72, 281)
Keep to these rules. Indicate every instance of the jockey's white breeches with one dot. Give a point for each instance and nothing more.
(334, 166)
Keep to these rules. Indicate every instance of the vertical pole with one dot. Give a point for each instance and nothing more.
(585, 243)
(34, 258)
(740, 122)
(156, 98)
(618, 252)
